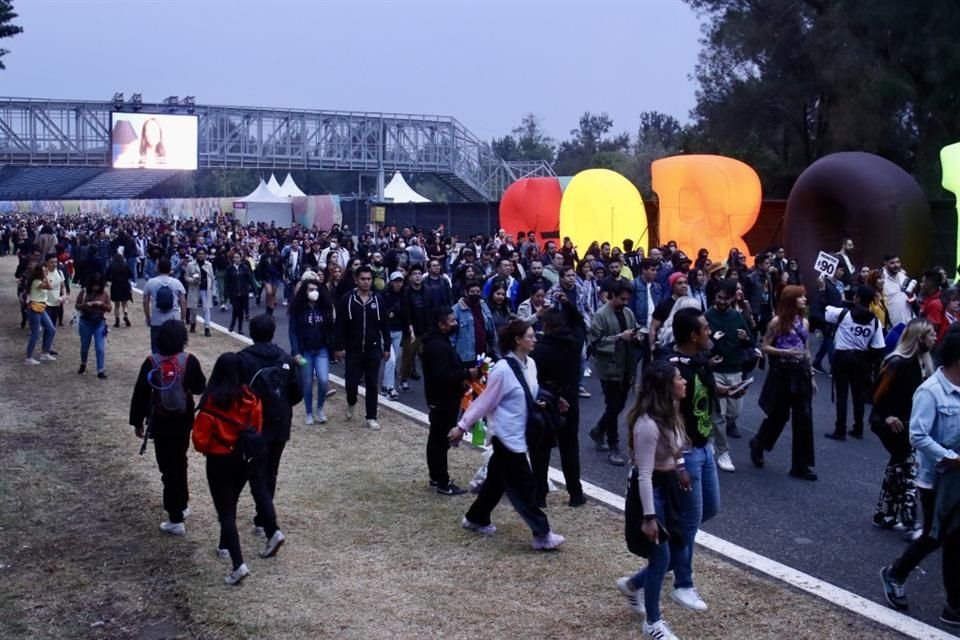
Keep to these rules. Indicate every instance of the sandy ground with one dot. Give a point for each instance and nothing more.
(371, 551)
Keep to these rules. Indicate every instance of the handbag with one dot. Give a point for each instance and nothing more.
(542, 421)
(637, 541)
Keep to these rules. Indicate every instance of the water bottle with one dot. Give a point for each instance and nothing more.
(479, 433)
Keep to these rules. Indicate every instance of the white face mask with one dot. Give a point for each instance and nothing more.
(313, 295)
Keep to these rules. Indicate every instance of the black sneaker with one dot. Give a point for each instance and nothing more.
(450, 490)
(434, 483)
(82, 369)
(598, 440)
(839, 436)
(894, 592)
(206, 333)
(577, 501)
(53, 353)
(756, 453)
(733, 431)
(414, 376)
(819, 369)
(950, 615)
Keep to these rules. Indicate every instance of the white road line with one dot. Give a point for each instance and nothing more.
(859, 605)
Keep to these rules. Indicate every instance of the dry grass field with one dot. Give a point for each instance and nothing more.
(371, 552)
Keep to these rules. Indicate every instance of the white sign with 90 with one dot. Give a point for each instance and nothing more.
(826, 263)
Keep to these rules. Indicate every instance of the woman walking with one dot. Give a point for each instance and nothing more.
(788, 390)
(311, 330)
(119, 277)
(656, 443)
(504, 405)
(227, 411)
(902, 372)
(93, 303)
(38, 284)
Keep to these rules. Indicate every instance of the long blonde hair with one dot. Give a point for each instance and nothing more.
(908, 346)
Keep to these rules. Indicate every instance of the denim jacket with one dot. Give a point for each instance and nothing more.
(463, 339)
(934, 426)
(638, 303)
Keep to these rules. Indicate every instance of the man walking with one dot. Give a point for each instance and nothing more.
(164, 298)
(443, 379)
(362, 337)
(646, 296)
(275, 378)
(613, 336)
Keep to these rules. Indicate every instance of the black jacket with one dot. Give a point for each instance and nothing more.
(276, 427)
(443, 373)
(238, 281)
(701, 400)
(141, 404)
(558, 365)
(416, 308)
(359, 326)
(394, 309)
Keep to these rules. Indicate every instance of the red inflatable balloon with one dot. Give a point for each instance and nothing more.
(531, 204)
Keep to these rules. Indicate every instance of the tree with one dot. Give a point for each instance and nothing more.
(527, 141)
(784, 82)
(587, 142)
(7, 28)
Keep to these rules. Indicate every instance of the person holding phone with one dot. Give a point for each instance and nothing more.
(731, 336)
(656, 442)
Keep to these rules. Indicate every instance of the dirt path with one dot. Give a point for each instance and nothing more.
(371, 552)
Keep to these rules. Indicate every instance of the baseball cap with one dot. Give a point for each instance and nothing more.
(396, 275)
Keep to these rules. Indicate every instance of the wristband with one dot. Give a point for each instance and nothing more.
(651, 516)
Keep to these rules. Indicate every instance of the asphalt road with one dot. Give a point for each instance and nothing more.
(822, 528)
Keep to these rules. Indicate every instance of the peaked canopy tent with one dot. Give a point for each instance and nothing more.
(399, 191)
(263, 206)
(289, 189)
(273, 185)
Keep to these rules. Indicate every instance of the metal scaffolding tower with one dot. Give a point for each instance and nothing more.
(77, 133)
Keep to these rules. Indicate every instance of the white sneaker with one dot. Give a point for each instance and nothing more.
(322, 418)
(223, 554)
(186, 513)
(349, 412)
(259, 532)
(587, 372)
(173, 528)
(273, 544)
(659, 630)
(223, 307)
(373, 425)
(634, 596)
(309, 419)
(284, 303)
(548, 542)
(46, 357)
(31, 361)
(237, 574)
(724, 463)
(688, 598)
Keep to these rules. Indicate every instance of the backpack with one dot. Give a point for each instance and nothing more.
(164, 298)
(169, 387)
(270, 385)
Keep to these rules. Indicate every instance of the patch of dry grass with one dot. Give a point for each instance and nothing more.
(371, 552)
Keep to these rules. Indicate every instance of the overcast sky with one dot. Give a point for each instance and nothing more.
(484, 62)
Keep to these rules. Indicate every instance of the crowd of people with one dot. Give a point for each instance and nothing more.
(391, 303)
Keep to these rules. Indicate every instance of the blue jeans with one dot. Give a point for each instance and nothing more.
(390, 369)
(663, 558)
(317, 362)
(38, 321)
(98, 332)
(700, 505)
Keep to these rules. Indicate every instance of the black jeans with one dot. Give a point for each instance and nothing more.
(568, 445)
(802, 455)
(442, 419)
(239, 306)
(263, 486)
(170, 445)
(366, 365)
(226, 475)
(614, 398)
(509, 472)
(925, 545)
(850, 372)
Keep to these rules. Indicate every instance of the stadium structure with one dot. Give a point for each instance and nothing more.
(61, 149)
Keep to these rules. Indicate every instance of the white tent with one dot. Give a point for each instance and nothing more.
(263, 206)
(289, 188)
(399, 191)
(273, 185)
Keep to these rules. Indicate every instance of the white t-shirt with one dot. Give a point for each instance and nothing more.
(851, 336)
(153, 285)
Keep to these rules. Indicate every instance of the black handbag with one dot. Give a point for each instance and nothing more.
(542, 421)
(637, 541)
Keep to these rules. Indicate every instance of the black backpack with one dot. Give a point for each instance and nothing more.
(164, 298)
(270, 385)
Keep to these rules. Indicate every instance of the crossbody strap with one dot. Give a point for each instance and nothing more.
(515, 366)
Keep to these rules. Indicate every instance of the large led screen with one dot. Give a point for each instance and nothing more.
(153, 141)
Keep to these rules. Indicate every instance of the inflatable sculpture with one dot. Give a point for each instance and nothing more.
(531, 204)
(706, 201)
(950, 161)
(600, 204)
(861, 196)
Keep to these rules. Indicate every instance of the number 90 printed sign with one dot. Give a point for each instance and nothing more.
(826, 264)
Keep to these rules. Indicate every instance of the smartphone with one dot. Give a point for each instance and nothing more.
(743, 386)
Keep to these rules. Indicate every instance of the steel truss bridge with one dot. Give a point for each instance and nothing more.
(75, 133)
